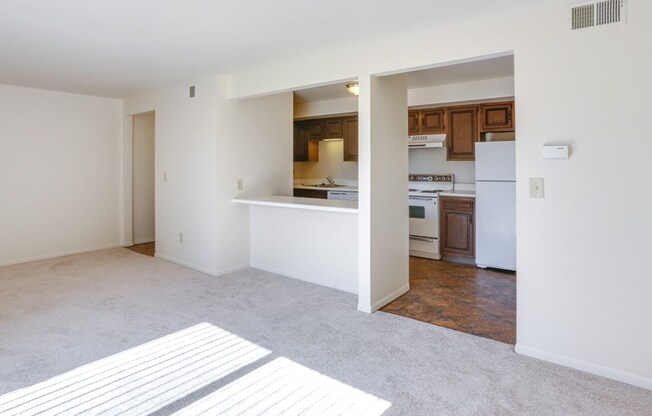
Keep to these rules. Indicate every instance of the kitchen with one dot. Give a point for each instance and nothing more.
(450, 109)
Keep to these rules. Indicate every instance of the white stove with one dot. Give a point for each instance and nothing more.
(424, 212)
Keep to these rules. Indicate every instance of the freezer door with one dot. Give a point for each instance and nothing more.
(495, 224)
(495, 161)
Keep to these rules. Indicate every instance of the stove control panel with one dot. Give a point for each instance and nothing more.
(430, 178)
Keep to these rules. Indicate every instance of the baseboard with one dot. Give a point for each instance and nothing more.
(144, 240)
(588, 367)
(59, 254)
(212, 272)
(232, 269)
(302, 278)
(384, 301)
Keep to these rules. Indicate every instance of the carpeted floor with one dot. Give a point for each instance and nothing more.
(60, 314)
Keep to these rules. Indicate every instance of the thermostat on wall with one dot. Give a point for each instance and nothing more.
(550, 152)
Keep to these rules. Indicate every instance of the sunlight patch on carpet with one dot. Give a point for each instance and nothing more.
(283, 387)
(140, 380)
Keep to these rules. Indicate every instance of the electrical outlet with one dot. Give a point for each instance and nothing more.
(240, 185)
(181, 238)
(165, 176)
(536, 187)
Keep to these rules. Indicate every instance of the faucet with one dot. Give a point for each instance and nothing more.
(330, 180)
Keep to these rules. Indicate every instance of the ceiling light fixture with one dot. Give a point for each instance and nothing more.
(353, 88)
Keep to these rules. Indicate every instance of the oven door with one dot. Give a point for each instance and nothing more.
(424, 216)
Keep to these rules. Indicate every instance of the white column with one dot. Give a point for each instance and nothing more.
(383, 210)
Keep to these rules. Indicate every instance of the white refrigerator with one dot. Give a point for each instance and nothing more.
(495, 194)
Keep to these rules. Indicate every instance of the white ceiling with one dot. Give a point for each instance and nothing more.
(121, 48)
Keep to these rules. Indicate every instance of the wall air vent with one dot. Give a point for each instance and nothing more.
(599, 13)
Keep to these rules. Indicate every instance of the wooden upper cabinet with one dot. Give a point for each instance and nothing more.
(305, 150)
(427, 121)
(308, 133)
(316, 129)
(413, 122)
(462, 133)
(350, 126)
(333, 128)
(433, 121)
(497, 116)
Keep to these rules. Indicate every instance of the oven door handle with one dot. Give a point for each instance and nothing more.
(422, 198)
(417, 238)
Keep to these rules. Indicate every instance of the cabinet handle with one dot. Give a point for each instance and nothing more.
(509, 116)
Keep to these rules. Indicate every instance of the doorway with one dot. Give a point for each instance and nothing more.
(451, 110)
(143, 184)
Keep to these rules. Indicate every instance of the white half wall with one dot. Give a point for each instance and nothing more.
(143, 178)
(315, 246)
(583, 275)
(59, 173)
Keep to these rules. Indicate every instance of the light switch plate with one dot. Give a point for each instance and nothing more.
(240, 185)
(536, 187)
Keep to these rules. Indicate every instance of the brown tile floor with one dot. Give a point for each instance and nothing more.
(457, 296)
(147, 249)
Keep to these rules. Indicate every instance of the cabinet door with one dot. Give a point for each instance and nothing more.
(333, 128)
(497, 117)
(433, 121)
(457, 236)
(462, 133)
(413, 122)
(305, 150)
(350, 139)
(300, 141)
(316, 129)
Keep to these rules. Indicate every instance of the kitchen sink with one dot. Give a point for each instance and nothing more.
(324, 185)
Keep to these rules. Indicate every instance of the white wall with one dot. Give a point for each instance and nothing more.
(433, 160)
(331, 163)
(59, 173)
(143, 178)
(583, 279)
(186, 135)
(255, 145)
(306, 109)
(484, 89)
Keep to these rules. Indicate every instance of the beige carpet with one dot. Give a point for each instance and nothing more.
(122, 333)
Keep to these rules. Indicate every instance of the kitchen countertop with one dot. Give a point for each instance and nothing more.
(314, 204)
(328, 188)
(468, 194)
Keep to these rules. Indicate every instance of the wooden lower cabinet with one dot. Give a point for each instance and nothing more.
(457, 226)
(310, 193)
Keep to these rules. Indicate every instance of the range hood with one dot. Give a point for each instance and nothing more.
(426, 140)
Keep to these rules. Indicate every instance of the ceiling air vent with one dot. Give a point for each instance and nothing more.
(597, 13)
